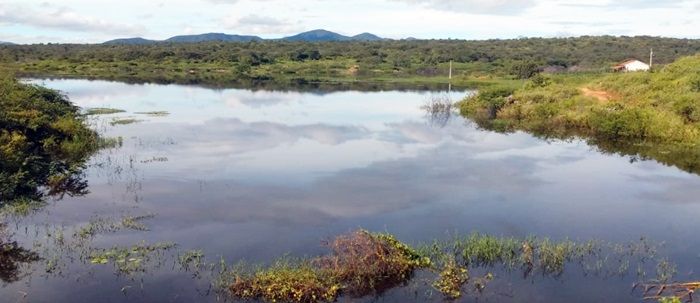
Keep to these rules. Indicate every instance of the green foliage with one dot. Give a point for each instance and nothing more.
(225, 63)
(360, 263)
(652, 114)
(287, 281)
(129, 260)
(451, 279)
(43, 143)
(102, 111)
(524, 69)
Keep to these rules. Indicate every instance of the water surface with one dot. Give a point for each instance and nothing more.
(252, 175)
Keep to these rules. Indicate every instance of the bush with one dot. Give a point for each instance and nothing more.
(43, 142)
(360, 263)
(524, 69)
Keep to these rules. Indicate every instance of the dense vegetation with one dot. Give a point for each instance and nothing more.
(363, 263)
(653, 114)
(43, 143)
(220, 62)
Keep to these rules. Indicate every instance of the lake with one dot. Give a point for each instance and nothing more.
(256, 174)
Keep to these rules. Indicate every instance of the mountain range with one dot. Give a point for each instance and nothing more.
(6, 43)
(318, 35)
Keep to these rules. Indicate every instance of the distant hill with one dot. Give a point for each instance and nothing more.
(6, 43)
(366, 37)
(212, 37)
(131, 41)
(322, 35)
(319, 35)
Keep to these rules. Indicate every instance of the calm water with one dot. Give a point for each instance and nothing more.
(253, 175)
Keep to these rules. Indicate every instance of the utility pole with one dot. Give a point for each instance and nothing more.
(450, 69)
(651, 58)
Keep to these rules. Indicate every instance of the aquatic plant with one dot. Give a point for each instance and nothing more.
(191, 259)
(365, 262)
(103, 225)
(129, 260)
(154, 113)
(287, 281)
(451, 278)
(124, 121)
(360, 263)
(102, 111)
(438, 110)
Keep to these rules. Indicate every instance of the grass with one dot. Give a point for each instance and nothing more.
(107, 225)
(650, 114)
(363, 263)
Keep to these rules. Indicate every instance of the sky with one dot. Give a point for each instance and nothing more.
(94, 21)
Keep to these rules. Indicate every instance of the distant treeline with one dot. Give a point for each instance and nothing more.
(224, 62)
(585, 51)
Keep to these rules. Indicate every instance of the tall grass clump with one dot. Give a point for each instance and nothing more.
(358, 264)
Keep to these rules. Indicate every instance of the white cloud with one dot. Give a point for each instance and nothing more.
(87, 21)
(256, 24)
(495, 7)
(63, 19)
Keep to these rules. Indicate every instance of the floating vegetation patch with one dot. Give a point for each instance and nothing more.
(359, 264)
(106, 225)
(155, 159)
(451, 278)
(129, 260)
(154, 113)
(102, 111)
(363, 263)
(124, 121)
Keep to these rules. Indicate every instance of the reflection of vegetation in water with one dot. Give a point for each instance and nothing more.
(124, 121)
(669, 293)
(654, 115)
(44, 142)
(13, 257)
(102, 111)
(362, 263)
(438, 110)
(154, 113)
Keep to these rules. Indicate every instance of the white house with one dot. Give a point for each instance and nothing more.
(631, 65)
